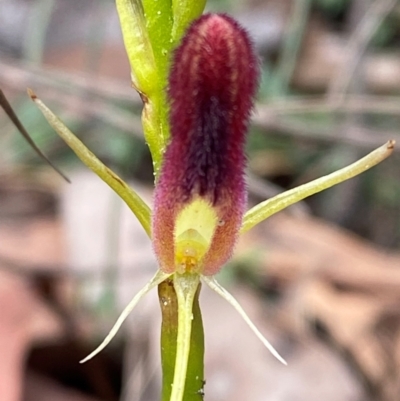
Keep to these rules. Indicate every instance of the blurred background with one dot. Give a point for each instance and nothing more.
(321, 280)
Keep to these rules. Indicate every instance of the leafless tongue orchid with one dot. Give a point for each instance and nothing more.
(201, 196)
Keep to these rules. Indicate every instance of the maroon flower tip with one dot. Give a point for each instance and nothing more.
(212, 84)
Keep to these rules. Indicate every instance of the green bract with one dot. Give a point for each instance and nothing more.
(151, 29)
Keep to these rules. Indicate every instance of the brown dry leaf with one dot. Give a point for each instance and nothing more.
(295, 247)
(349, 319)
(324, 51)
(238, 367)
(24, 319)
(346, 284)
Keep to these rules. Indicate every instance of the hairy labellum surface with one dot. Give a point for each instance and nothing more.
(212, 83)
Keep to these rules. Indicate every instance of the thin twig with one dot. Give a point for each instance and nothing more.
(97, 108)
(292, 43)
(389, 105)
(20, 75)
(36, 30)
(356, 47)
(17, 75)
(361, 137)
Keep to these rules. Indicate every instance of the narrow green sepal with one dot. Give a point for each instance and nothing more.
(124, 191)
(265, 209)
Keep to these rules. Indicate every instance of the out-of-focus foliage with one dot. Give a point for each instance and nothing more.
(294, 38)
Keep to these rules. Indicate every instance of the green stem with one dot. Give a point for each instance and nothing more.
(182, 365)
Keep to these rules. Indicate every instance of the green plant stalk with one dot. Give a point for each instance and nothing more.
(155, 129)
(158, 20)
(194, 382)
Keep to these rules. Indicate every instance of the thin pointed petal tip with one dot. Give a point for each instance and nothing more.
(212, 84)
(31, 94)
(153, 282)
(215, 286)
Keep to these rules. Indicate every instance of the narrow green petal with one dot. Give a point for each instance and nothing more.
(215, 286)
(127, 194)
(271, 206)
(157, 279)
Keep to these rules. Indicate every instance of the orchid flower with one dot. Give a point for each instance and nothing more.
(196, 131)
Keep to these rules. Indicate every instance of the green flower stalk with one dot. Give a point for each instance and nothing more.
(196, 131)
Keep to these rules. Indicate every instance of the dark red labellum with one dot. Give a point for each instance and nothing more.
(212, 84)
